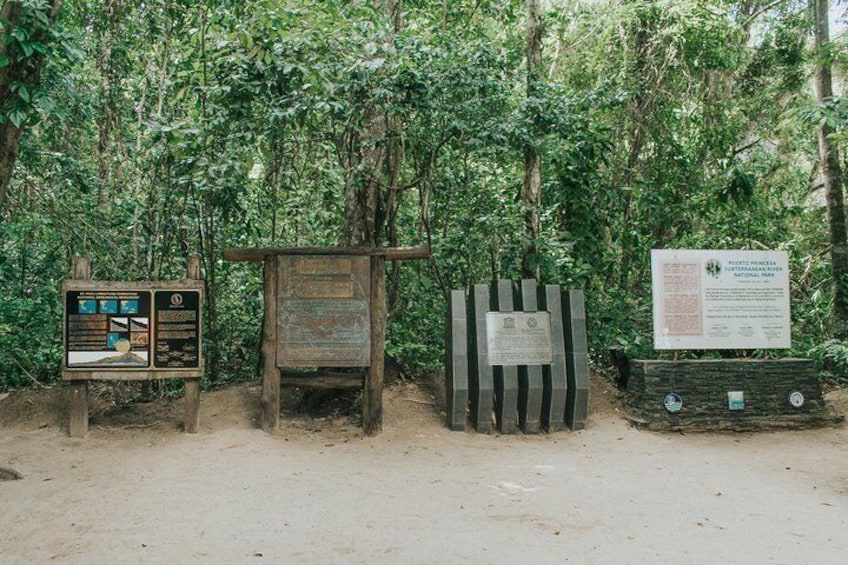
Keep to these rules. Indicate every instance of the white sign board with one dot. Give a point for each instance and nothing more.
(519, 338)
(708, 299)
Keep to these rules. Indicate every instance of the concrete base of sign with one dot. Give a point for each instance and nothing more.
(735, 394)
(505, 376)
(576, 360)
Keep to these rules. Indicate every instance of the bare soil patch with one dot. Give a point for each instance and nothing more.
(138, 490)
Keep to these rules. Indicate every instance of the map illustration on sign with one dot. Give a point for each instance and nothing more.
(133, 328)
(99, 333)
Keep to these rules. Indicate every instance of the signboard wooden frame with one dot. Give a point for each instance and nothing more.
(132, 330)
(321, 265)
(108, 327)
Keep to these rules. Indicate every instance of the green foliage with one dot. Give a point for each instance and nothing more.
(30, 312)
(659, 123)
(28, 39)
(832, 357)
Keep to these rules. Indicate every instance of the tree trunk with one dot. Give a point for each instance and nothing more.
(21, 69)
(370, 160)
(831, 172)
(532, 189)
(363, 154)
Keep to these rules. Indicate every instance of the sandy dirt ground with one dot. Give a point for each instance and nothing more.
(138, 490)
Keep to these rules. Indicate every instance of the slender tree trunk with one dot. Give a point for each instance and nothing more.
(107, 113)
(532, 189)
(24, 70)
(831, 171)
(639, 107)
(370, 160)
(363, 161)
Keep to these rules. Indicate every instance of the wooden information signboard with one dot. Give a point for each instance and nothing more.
(324, 311)
(324, 308)
(117, 330)
(131, 330)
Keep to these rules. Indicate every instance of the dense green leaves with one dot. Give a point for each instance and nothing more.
(164, 128)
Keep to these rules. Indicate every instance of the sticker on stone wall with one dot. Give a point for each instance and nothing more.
(673, 402)
(796, 399)
(736, 400)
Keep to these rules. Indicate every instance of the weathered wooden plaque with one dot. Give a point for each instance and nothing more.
(323, 311)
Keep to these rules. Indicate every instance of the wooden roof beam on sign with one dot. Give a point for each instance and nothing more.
(389, 253)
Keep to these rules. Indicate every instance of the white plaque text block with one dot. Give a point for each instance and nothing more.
(720, 299)
(519, 338)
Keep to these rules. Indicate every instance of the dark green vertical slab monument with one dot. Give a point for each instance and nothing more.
(554, 375)
(505, 376)
(456, 376)
(576, 360)
(529, 376)
(480, 378)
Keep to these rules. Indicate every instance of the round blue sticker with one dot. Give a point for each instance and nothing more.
(673, 402)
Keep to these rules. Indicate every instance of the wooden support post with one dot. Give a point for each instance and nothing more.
(505, 376)
(372, 398)
(530, 386)
(78, 421)
(270, 399)
(78, 409)
(191, 419)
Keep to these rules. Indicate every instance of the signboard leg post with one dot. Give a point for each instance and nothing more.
(372, 399)
(270, 399)
(78, 423)
(192, 386)
(78, 418)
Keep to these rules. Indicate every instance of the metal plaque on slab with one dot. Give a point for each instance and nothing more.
(323, 311)
(519, 338)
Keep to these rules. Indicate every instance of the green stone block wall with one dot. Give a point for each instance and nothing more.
(703, 385)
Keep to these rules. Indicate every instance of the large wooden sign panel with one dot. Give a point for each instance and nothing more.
(323, 311)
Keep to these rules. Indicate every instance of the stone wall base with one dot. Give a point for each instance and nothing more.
(692, 394)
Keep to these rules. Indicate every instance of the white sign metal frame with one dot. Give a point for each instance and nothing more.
(720, 299)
